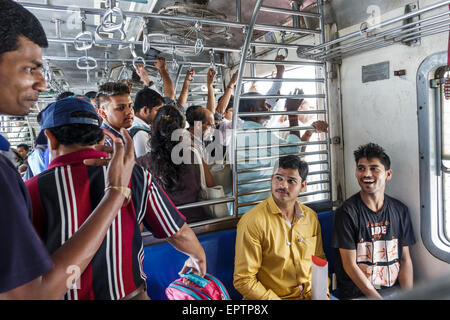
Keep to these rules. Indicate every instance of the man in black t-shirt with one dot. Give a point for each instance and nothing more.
(372, 233)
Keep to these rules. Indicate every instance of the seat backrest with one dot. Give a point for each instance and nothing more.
(162, 262)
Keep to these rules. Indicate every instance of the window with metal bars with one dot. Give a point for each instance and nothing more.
(258, 148)
(434, 155)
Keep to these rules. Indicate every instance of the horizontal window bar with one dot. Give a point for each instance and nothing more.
(306, 143)
(255, 130)
(280, 113)
(243, 160)
(268, 179)
(312, 193)
(282, 79)
(283, 96)
(313, 163)
(204, 203)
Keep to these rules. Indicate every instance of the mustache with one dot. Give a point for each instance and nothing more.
(282, 190)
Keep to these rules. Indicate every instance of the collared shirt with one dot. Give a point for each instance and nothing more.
(251, 158)
(141, 138)
(65, 195)
(274, 261)
(108, 141)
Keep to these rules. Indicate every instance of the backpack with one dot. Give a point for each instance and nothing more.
(135, 129)
(207, 288)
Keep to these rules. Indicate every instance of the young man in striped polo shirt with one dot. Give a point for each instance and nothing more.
(63, 197)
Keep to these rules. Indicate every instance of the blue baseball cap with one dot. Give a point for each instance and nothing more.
(60, 113)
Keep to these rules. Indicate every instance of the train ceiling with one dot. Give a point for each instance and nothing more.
(61, 21)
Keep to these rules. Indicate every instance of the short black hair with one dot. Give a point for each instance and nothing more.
(193, 114)
(370, 151)
(16, 21)
(147, 98)
(245, 105)
(77, 133)
(294, 162)
(110, 89)
(64, 94)
(24, 146)
(91, 94)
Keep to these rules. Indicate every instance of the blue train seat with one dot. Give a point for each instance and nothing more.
(162, 262)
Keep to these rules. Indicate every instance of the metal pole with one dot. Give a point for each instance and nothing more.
(325, 100)
(237, 95)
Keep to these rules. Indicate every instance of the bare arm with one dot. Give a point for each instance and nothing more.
(182, 99)
(405, 275)
(211, 103)
(169, 90)
(356, 274)
(227, 94)
(79, 250)
(143, 74)
(186, 241)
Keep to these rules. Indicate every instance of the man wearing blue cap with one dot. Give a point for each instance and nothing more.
(62, 198)
(27, 271)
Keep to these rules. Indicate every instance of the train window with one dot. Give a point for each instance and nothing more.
(445, 158)
(434, 153)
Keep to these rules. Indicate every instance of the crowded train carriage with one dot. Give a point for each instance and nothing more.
(211, 150)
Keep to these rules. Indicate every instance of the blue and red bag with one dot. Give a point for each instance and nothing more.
(206, 288)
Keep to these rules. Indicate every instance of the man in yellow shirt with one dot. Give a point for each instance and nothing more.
(276, 239)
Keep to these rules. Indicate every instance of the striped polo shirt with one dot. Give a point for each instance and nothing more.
(65, 195)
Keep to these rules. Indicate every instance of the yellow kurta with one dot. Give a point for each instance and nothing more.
(266, 266)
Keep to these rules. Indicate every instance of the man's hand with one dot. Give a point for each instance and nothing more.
(320, 126)
(233, 79)
(210, 77)
(121, 164)
(160, 63)
(143, 74)
(280, 67)
(198, 267)
(190, 75)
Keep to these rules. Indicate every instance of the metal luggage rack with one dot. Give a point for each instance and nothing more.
(407, 29)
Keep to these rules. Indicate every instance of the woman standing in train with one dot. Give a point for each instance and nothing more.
(180, 180)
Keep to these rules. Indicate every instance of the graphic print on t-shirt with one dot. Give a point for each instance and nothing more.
(377, 258)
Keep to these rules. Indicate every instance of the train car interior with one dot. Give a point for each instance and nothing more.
(370, 70)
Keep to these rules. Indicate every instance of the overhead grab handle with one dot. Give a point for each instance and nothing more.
(86, 63)
(112, 20)
(283, 51)
(199, 46)
(212, 64)
(136, 59)
(174, 60)
(145, 38)
(84, 41)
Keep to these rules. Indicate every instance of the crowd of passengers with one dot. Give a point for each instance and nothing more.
(89, 199)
